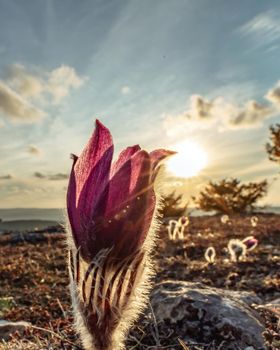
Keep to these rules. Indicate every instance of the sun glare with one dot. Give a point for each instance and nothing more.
(189, 160)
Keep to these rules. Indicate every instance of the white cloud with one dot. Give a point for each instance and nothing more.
(262, 168)
(251, 115)
(26, 84)
(16, 108)
(22, 92)
(273, 95)
(202, 112)
(264, 28)
(61, 80)
(200, 108)
(174, 125)
(125, 90)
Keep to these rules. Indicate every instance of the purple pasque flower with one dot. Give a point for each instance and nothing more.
(111, 205)
(251, 242)
(111, 208)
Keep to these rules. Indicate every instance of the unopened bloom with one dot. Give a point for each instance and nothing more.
(225, 219)
(254, 221)
(251, 242)
(111, 209)
(184, 220)
(237, 250)
(176, 227)
(171, 229)
(210, 255)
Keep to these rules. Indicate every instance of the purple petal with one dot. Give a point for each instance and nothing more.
(119, 189)
(250, 242)
(142, 198)
(122, 224)
(141, 171)
(159, 154)
(89, 177)
(126, 182)
(111, 207)
(142, 206)
(136, 217)
(124, 156)
(71, 201)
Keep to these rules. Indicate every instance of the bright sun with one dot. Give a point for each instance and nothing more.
(189, 160)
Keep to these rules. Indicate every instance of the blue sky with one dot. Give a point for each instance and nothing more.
(154, 72)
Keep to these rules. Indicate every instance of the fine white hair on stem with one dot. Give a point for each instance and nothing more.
(108, 296)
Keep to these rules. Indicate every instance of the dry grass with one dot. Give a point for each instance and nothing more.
(34, 277)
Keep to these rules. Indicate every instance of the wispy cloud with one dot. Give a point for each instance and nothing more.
(52, 177)
(263, 28)
(16, 108)
(22, 91)
(273, 95)
(125, 90)
(34, 150)
(39, 175)
(25, 83)
(58, 177)
(6, 177)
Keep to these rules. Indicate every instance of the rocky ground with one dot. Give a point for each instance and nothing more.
(225, 303)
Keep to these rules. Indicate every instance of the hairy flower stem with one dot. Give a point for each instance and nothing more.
(107, 295)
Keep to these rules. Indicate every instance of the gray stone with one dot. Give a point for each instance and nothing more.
(202, 314)
(7, 328)
(275, 302)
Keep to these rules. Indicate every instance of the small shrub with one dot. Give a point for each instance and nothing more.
(173, 205)
(273, 146)
(229, 196)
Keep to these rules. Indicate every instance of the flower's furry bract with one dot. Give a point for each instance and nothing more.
(129, 312)
(237, 250)
(176, 228)
(110, 278)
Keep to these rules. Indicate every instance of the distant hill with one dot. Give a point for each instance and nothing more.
(26, 225)
(21, 219)
(57, 215)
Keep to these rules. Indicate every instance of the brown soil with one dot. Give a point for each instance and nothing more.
(34, 278)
